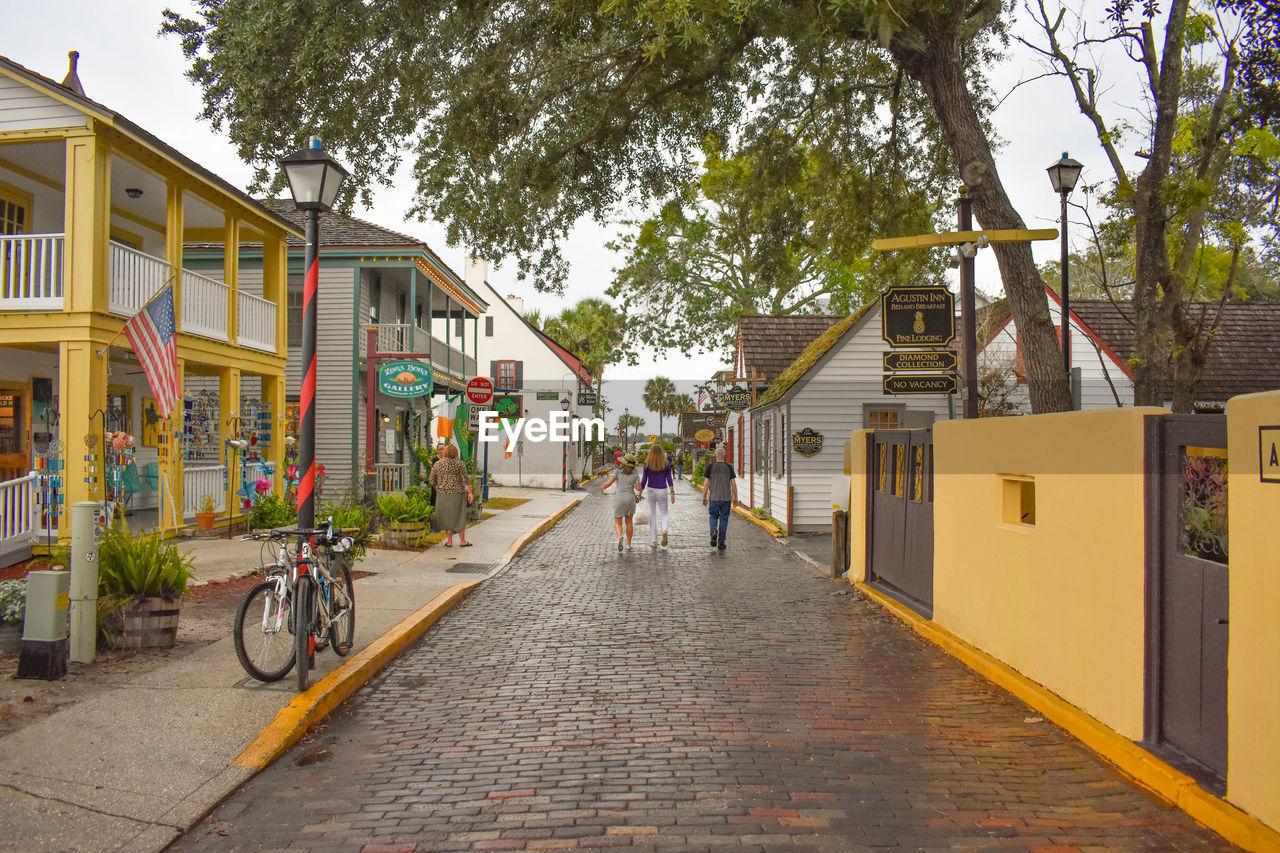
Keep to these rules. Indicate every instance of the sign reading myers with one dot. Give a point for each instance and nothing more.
(934, 361)
(806, 441)
(404, 379)
(736, 398)
(1269, 453)
(923, 383)
(918, 316)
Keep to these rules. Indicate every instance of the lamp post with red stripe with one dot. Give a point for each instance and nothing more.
(314, 180)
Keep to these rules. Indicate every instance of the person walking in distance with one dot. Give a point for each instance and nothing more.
(453, 494)
(657, 479)
(719, 494)
(625, 497)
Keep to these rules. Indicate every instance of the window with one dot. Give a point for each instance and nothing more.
(881, 418)
(506, 376)
(781, 443)
(488, 327)
(401, 302)
(293, 317)
(417, 315)
(15, 210)
(375, 299)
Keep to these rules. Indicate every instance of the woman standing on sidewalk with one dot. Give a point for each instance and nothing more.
(657, 479)
(453, 494)
(624, 499)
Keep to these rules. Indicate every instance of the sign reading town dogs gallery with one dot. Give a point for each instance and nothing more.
(404, 379)
(918, 316)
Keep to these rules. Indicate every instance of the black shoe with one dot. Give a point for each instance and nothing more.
(720, 547)
(714, 540)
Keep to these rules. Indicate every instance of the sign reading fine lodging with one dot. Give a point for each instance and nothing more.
(918, 316)
(920, 383)
(933, 361)
(806, 441)
(404, 379)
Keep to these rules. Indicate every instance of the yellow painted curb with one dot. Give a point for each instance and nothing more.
(758, 522)
(310, 707)
(1166, 782)
(542, 528)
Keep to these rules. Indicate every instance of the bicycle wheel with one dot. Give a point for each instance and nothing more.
(304, 623)
(261, 633)
(342, 606)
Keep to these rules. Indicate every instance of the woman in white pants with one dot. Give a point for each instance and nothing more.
(657, 480)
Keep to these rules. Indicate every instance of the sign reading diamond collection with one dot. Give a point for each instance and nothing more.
(806, 441)
(404, 379)
(935, 361)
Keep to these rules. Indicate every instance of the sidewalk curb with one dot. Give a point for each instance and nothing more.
(758, 522)
(1128, 758)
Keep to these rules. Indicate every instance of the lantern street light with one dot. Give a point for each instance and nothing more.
(1063, 175)
(564, 450)
(314, 180)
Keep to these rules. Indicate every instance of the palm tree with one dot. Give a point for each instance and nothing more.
(592, 330)
(626, 423)
(659, 394)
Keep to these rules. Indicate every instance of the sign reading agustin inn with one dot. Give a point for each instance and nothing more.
(806, 441)
(918, 316)
(404, 379)
(934, 362)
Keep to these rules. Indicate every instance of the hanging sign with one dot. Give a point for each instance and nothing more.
(806, 441)
(404, 379)
(918, 316)
(736, 398)
(716, 420)
(586, 398)
(923, 383)
(936, 361)
(509, 407)
(480, 390)
(703, 436)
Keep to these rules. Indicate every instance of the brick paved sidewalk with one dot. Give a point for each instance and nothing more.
(683, 699)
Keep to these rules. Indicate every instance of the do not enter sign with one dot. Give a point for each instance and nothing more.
(480, 390)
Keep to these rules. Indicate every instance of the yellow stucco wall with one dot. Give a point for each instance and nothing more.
(1060, 600)
(1253, 656)
(858, 506)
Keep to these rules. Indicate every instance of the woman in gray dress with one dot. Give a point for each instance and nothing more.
(625, 497)
(453, 493)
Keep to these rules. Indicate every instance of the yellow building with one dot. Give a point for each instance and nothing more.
(94, 212)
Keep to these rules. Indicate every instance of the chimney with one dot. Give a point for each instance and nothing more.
(72, 80)
(516, 302)
(475, 272)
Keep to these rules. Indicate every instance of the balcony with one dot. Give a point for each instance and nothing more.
(31, 270)
(394, 338)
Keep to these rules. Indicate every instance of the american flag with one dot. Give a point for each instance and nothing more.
(704, 400)
(152, 333)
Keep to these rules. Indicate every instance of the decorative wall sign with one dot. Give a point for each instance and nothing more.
(935, 361)
(918, 316)
(806, 441)
(404, 379)
(736, 398)
(586, 398)
(922, 383)
(508, 406)
(152, 423)
(716, 420)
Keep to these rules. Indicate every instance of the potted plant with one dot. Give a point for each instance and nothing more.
(405, 518)
(141, 581)
(13, 599)
(206, 514)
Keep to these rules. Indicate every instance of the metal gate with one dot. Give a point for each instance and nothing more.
(1187, 590)
(900, 507)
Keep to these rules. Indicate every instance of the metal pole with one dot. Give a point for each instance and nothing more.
(564, 465)
(968, 320)
(1066, 297)
(486, 472)
(84, 582)
(307, 402)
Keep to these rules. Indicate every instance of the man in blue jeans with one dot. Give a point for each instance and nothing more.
(719, 494)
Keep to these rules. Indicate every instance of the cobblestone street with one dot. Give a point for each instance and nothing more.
(681, 698)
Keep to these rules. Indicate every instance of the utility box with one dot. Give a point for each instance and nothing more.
(44, 627)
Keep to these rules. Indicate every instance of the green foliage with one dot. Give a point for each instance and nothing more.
(660, 397)
(347, 515)
(272, 511)
(698, 471)
(130, 566)
(13, 600)
(592, 330)
(404, 508)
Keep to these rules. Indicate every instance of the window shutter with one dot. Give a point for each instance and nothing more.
(488, 327)
(519, 375)
(493, 372)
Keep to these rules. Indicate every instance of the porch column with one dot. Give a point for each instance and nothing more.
(173, 225)
(273, 396)
(87, 226)
(231, 277)
(82, 390)
(275, 288)
(171, 461)
(229, 421)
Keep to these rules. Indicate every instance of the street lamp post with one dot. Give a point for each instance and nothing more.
(314, 180)
(1063, 175)
(564, 450)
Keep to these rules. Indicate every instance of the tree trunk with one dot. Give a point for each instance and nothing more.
(940, 71)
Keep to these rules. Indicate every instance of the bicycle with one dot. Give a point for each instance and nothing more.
(302, 589)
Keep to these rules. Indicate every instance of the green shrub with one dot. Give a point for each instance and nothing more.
(698, 475)
(13, 600)
(272, 511)
(348, 515)
(404, 508)
(130, 566)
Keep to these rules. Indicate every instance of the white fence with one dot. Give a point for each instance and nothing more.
(392, 476)
(200, 481)
(392, 337)
(31, 272)
(204, 306)
(19, 513)
(134, 278)
(255, 322)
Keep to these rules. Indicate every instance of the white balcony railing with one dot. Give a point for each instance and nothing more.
(255, 322)
(393, 337)
(204, 306)
(31, 272)
(200, 481)
(134, 277)
(392, 476)
(18, 509)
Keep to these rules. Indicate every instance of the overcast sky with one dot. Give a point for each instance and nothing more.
(127, 67)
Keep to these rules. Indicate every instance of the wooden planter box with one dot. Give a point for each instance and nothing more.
(151, 623)
(403, 533)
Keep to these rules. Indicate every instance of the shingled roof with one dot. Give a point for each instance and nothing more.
(812, 354)
(769, 343)
(1244, 356)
